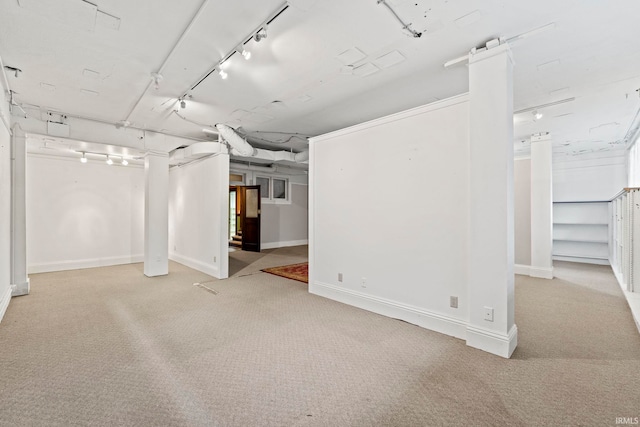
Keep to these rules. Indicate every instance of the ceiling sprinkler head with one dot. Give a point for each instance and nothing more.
(157, 79)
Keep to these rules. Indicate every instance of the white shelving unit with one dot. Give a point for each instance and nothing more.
(581, 232)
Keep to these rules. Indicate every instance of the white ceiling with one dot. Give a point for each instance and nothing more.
(309, 76)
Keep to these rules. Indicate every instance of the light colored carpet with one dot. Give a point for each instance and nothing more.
(109, 347)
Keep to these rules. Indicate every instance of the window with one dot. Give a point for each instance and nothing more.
(264, 186)
(273, 190)
(279, 189)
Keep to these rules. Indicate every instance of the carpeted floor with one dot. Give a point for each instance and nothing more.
(109, 347)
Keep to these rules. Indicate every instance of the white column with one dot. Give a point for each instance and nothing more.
(491, 305)
(19, 279)
(541, 207)
(156, 214)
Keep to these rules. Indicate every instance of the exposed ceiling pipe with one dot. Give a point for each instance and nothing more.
(240, 147)
(169, 56)
(239, 144)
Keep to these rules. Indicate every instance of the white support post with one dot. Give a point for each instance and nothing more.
(19, 279)
(541, 207)
(491, 278)
(156, 214)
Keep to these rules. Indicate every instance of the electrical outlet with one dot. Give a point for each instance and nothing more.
(453, 302)
(339, 277)
(488, 314)
(363, 283)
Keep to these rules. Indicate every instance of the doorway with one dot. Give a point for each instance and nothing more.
(244, 217)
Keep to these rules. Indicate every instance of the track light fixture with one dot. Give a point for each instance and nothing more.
(109, 160)
(183, 104)
(261, 34)
(536, 115)
(244, 52)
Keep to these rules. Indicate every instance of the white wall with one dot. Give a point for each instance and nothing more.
(522, 211)
(588, 178)
(286, 224)
(5, 206)
(389, 210)
(82, 215)
(198, 215)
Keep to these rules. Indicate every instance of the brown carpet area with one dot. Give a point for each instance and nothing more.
(110, 347)
(299, 272)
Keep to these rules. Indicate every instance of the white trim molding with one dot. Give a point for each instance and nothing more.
(211, 270)
(21, 289)
(4, 302)
(541, 272)
(538, 272)
(486, 340)
(429, 320)
(83, 263)
(493, 342)
(522, 270)
(274, 245)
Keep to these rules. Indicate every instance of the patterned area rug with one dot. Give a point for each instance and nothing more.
(298, 272)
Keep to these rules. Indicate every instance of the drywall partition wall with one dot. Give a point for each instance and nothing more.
(198, 215)
(586, 178)
(82, 215)
(5, 214)
(286, 224)
(389, 215)
(522, 215)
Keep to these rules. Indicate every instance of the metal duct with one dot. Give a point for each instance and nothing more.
(241, 146)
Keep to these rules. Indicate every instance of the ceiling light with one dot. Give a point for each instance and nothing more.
(124, 162)
(223, 74)
(536, 115)
(261, 34)
(83, 159)
(183, 104)
(109, 161)
(246, 54)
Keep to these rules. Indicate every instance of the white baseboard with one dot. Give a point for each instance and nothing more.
(528, 270)
(274, 245)
(541, 272)
(83, 263)
(417, 316)
(203, 267)
(4, 302)
(489, 341)
(522, 270)
(492, 342)
(21, 289)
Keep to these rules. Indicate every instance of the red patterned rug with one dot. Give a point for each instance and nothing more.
(298, 272)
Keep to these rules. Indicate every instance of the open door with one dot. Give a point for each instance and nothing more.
(250, 217)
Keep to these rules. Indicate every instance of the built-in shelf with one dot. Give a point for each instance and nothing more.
(606, 242)
(581, 231)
